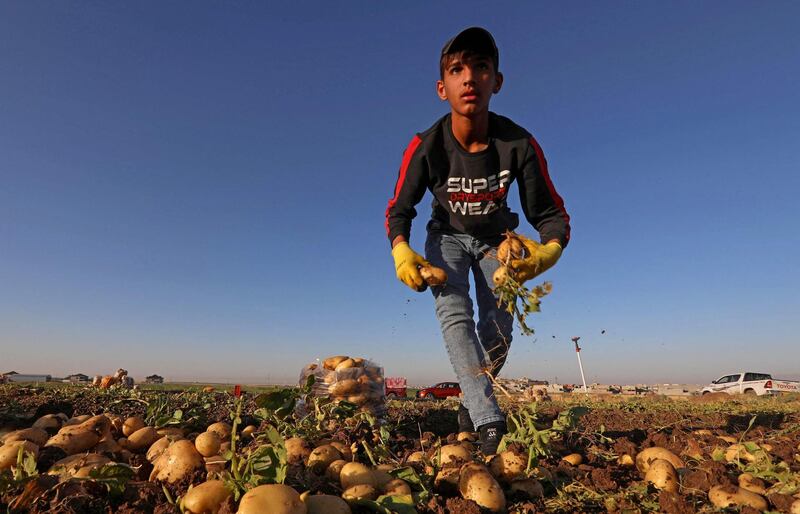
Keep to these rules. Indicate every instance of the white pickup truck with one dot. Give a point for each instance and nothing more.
(748, 382)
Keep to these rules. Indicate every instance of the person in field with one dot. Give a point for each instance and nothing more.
(468, 160)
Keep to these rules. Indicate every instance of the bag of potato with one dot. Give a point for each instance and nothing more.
(352, 379)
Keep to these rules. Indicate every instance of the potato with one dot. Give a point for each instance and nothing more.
(501, 275)
(172, 432)
(433, 276)
(358, 399)
(272, 498)
(738, 452)
(417, 456)
(573, 459)
(215, 463)
(396, 486)
(446, 481)
(77, 420)
(78, 465)
(249, 430)
(107, 445)
(662, 475)
(142, 438)
(727, 496)
(297, 450)
(750, 483)
(9, 452)
(344, 449)
(507, 466)
(180, 458)
(527, 487)
(453, 455)
(345, 364)
(355, 473)
(478, 485)
(222, 429)
(795, 508)
(331, 362)
(335, 469)
(322, 457)
(50, 422)
(644, 457)
(79, 438)
(345, 387)
(157, 448)
(625, 460)
(358, 362)
(207, 444)
(360, 492)
(466, 436)
(206, 498)
(35, 435)
(131, 425)
(326, 504)
(511, 249)
(382, 476)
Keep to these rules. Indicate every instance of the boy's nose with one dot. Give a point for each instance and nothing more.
(468, 76)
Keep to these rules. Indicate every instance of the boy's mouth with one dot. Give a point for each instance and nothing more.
(469, 96)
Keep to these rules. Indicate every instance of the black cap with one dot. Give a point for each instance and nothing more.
(476, 39)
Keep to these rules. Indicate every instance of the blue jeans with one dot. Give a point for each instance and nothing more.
(473, 351)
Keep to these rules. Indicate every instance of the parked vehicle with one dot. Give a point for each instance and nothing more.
(395, 387)
(748, 382)
(440, 391)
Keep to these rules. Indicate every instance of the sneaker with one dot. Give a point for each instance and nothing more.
(490, 436)
(464, 421)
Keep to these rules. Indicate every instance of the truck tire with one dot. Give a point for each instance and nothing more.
(750, 392)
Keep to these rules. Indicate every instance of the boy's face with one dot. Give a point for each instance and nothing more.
(468, 83)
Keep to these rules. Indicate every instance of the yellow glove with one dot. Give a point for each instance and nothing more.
(407, 263)
(541, 257)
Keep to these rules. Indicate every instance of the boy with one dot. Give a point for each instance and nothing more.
(468, 160)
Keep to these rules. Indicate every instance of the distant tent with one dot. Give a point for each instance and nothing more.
(154, 379)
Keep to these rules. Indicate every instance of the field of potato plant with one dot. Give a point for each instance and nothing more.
(83, 450)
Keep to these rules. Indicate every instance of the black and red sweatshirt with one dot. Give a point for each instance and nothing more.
(470, 189)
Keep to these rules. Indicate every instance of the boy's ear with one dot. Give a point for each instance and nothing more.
(498, 82)
(440, 91)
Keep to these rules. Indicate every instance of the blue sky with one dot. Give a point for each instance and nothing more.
(197, 189)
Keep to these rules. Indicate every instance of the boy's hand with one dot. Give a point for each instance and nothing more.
(406, 264)
(541, 257)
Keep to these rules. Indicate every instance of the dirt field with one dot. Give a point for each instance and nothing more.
(607, 434)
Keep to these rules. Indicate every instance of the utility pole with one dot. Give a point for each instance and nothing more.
(580, 365)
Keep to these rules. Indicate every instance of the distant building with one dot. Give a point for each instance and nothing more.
(154, 379)
(77, 377)
(18, 377)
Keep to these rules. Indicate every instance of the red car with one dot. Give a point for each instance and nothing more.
(441, 390)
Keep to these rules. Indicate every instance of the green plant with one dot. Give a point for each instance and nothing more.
(519, 301)
(523, 431)
(266, 464)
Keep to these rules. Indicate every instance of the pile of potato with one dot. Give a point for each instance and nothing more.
(350, 379)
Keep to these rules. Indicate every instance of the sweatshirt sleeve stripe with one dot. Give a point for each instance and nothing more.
(407, 155)
(557, 200)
